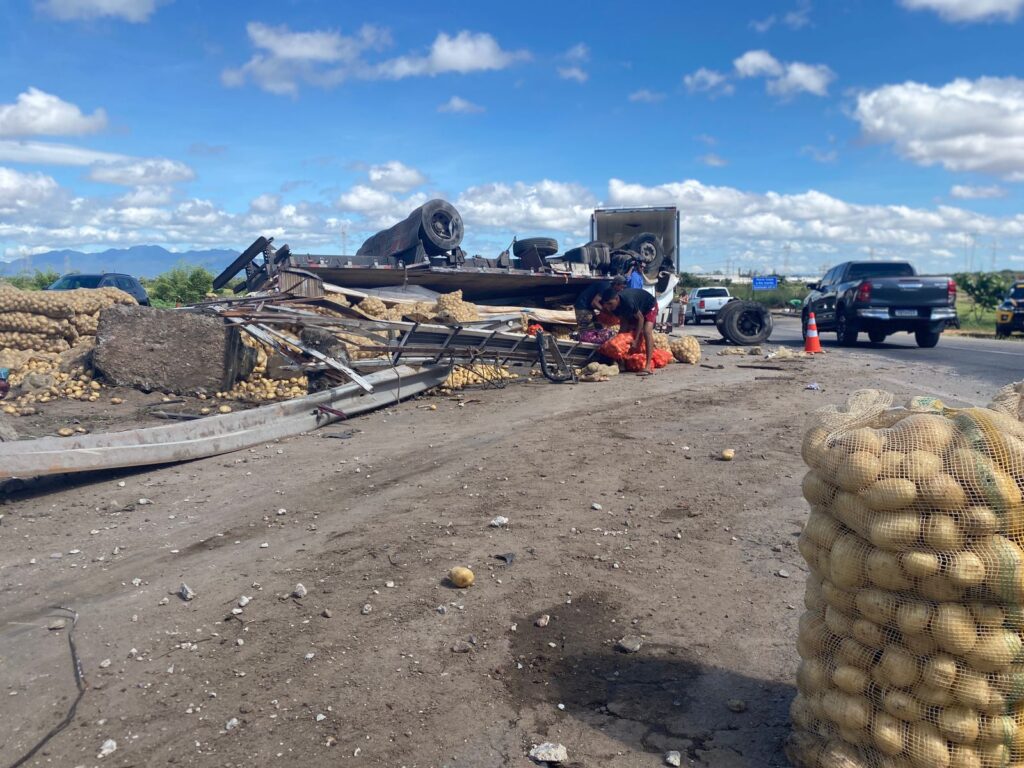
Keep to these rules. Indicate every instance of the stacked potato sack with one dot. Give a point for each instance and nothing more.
(661, 341)
(478, 373)
(912, 644)
(686, 350)
(617, 349)
(52, 321)
(373, 307)
(450, 308)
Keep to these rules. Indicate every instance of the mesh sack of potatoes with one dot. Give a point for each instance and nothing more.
(686, 350)
(661, 341)
(477, 373)
(39, 342)
(911, 643)
(451, 308)
(373, 307)
(29, 322)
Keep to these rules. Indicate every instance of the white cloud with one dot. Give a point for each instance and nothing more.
(713, 161)
(52, 153)
(141, 172)
(147, 197)
(644, 96)
(394, 176)
(37, 113)
(965, 125)
(785, 79)
(968, 10)
(573, 73)
(284, 59)
(964, 192)
(24, 190)
(798, 18)
(524, 207)
(579, 52)
(706, 80)
(68, 10)
(459, 105)
(819, 155)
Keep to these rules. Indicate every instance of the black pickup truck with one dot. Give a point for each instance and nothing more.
(882, 298)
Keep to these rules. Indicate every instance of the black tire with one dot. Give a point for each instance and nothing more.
(258, 246)
(651, 251)
(846, 331)
(804, 320)
(877, 337)
(723, 313)
(747, 323)
(1003, 331)
(620, 259)
(595, 254)
(927, 339)
(544, 246)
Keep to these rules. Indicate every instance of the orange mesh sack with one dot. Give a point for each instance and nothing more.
(659, 359)
(617, 347)
(912, 643)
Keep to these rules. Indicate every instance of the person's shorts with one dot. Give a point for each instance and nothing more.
(652, 316)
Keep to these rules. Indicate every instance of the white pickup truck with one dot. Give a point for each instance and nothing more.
(704, 303)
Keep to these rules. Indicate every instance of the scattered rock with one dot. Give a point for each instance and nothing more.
(549, 753)
(629, 644)
(309, 656)
(736, 705)
(185, 592)
(105, 663)
(300, 591)
(144, 502)
(366, 609)
(499, 522)
(282, 511)
(673, 758)
(109, 747)
(462, 646)
(243, 601)
(442, 609)
(57, 624)
(231, 724)
(389, 584)
(596, 507)
(782, 573)
(321, 717)
(543, 621)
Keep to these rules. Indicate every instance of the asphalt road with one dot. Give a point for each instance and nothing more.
(966, 368)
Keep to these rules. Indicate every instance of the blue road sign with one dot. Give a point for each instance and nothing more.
(766, 283)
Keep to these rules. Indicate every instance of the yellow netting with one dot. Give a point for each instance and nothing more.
(912, 640)
(686, 350)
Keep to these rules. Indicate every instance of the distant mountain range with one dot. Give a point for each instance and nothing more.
(139, 261)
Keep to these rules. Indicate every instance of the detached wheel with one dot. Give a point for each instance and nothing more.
(748, 323)
(846, 332)
(543, 246)
(927, 339)
(877, 337)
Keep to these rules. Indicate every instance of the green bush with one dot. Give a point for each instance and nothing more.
(181, 285)
(36, 281)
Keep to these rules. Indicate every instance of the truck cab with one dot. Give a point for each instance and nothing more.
(1010, 312)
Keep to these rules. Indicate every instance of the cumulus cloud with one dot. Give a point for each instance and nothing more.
(798, 18)
(573, 73)
(37, 113)
(785, 79)
(968, 10)
(141, 172)
(578, 55)
(285, 59)
(520, 206)
(964, 192)
(644, 96)
(965, 125)
(24, 190)
(460, 106)
(706, 80)
(136, 11)
(394, 176)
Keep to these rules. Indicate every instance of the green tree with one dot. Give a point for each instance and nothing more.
(36, 281)
(182, 284)
(985, 289)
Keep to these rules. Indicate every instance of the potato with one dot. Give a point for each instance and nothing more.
(883, 569)
(895, 532)
(959, 724)
(863, 439)
(961, 756)
(812, 676)
(966, 569)
(1000, 729)
(858, 470)
(939, 671)
(813, 448)
(942, 492)
(855, 654)
(995, 650)
(896, 667)
(877, 606)
(817, 490)
(888, 734)
(933, 697)
(953, 629)
(850, 679)
(913, 617)
(846, 562)
(942, 533)
(838, 623)
(846, 711)
(924, 432)
(813, 598)
(869, 633)
(852, 512)
(979, 520)
(801, 714)
(988, 616)
(839, 598)
(926, 746)
(902, 705)
(972, 688)
(890, 494)
(920, 466)
(889, 464)
(1004, 567)
(922, 645)
(920, 564)
(822, 529)
(994, 755)
(461, 577)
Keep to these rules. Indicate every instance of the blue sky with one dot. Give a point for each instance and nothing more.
(790, 132)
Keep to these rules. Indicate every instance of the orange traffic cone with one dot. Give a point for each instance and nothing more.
(812, 344)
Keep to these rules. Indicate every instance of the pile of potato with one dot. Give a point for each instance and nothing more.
(258, 387)
(685, 350)
(373, 307)
(451, 308)
(478, 373)
(912, 643)
(52, 321)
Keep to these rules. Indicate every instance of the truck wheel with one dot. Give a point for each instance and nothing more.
(545, 246)
(927, 339)
(722, 314)
(652, 253)
(846, 332)
(877, 337)
(1003, 331)
(747, 323)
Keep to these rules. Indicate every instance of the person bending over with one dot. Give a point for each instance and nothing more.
(589, 301)
(637, 310)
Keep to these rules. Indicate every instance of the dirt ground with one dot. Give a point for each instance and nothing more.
(622, 522)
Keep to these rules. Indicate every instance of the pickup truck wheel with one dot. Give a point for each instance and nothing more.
(747, 323)
(927, 339)
(846, 332)
(877, 337)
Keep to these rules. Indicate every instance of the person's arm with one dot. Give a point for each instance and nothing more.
(638, 331)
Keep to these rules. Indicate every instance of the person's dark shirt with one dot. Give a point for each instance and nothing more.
(591, 292)
(633, 300)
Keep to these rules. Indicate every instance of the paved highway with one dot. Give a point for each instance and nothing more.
(962, 367)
